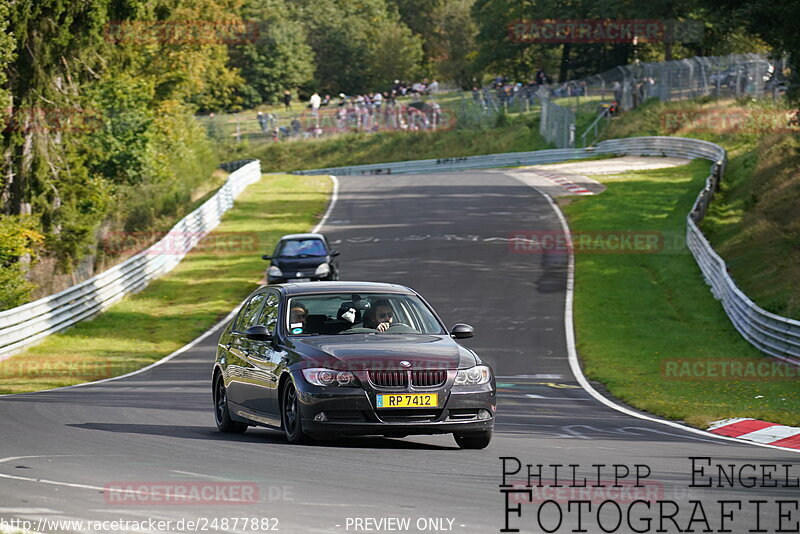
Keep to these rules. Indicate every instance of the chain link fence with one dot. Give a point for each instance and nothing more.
(557, 123)
(626, 87)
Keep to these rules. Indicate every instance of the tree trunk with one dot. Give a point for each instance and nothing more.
(564, 71)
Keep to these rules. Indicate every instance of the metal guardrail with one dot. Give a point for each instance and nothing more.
(29, 323)
(490, 161)
(772, 334)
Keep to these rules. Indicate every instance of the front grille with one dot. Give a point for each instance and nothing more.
(410, 416)
(399, 379)
(389, 379)
(428, 379)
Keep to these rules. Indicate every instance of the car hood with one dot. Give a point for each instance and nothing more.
(384, 351)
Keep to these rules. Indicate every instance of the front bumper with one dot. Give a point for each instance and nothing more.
(352, 410)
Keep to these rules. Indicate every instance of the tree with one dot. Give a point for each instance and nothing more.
(351, 47)
(775, 21)
(452, 43)
(278, 58)
(421, 17)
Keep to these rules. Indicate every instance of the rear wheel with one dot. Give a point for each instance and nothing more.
(290, 416)
(221, 413)
(473, 440)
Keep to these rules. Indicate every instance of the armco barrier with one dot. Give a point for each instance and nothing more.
(29, 323)
(775, 335)
(490, 161)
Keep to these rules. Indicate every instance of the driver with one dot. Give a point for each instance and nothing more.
(380, 316)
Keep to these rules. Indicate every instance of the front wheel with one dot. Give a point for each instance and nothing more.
(222, 415)
(473, 440)
(290, 416)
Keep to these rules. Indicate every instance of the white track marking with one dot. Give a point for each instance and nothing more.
(95, 488)
(12, 458)
(572, 353)
(28, 511)
(331, 204)
(201, 475)
(770, 434)
(726, 422)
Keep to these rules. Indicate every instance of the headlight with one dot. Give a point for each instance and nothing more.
(474, 376)
(274, 271)
(323, 270)
(329, 377)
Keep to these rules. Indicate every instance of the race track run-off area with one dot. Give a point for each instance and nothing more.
(113, 451)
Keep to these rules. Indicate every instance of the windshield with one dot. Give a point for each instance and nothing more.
(298, 248)
(365, 313)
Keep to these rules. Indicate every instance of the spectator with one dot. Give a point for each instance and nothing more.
(287, 100)
(263, 122)
(541, 77)
(315, 102)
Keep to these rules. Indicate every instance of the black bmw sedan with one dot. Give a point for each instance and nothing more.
(333, 359)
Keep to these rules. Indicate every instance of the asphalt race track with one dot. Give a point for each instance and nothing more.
(446, 236)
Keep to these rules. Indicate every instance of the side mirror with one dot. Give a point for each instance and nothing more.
(258, 332)
(266, 257)
(462, 331)
(334, 253)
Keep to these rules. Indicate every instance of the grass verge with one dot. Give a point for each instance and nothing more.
(647, 324)
(512, 134)
(183, 304)
(753, 222)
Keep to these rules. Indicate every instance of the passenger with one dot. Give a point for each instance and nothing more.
(298, 315)
(380, 316)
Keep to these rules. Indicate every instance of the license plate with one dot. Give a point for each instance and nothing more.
(408, 400)
(301, 280)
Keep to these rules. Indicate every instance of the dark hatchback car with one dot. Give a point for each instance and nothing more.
(302, 258)
(350, 358)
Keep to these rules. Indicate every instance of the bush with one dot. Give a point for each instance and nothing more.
(18, 242)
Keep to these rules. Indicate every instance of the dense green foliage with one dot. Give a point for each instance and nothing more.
(499, 51)
(18, 239)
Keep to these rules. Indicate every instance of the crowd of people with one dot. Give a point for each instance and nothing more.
(367, 112)
(381, 110)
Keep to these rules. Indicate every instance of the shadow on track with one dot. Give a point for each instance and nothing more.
(256, 436)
